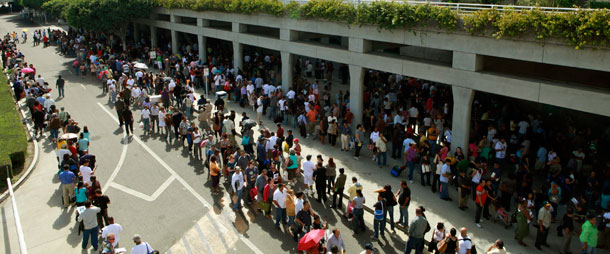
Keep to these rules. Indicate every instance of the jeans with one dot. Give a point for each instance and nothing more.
(60, 89)
(338, 193)
(589, 250)
(444, 190)
(197, 151)
(168, 133)
(404, 215)
(128, 127)
(411, 168)
(358, 219)
(385, 158)
(54, 133)
(432, 146)
(90, 233)
(290, 220)
(377, 224)
(477, 216)
(237, 204)
(146, 122)
(416, 244)
(386, 210)
(280, 214)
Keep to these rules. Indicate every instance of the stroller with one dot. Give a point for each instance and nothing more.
(501, 215)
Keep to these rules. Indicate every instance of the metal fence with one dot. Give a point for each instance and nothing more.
(467, 7)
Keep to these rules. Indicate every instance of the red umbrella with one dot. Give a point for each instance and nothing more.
(310, 239)
(27, 70)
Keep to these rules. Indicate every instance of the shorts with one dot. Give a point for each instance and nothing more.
(308, 180)
(292, 173)
(215, 181)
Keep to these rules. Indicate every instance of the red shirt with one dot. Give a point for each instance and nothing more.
(481, 198)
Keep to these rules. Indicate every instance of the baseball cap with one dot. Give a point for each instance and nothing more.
(136, 237)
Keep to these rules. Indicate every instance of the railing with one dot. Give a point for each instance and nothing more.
(467, 7)
(23, 249)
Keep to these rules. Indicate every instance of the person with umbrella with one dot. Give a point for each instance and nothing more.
(303, 222)
(311, 242)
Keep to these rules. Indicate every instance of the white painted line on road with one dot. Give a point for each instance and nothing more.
(123, 153)
(83, 86)
(186, 245)
(141, 195)
(205, 203)
(203, 239)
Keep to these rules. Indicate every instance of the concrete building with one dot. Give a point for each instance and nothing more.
(551, 72)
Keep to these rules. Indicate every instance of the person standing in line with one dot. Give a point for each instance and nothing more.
(379, 217)
(388, 205)
(464, 242)
(359, 138)
(358, 211)
(346, 133)
(127, 117)
(481, 198)
(112, 228)
(102, 202)
(544, 223)
(404, 198)
(141, 247)
(90, 229)
(59, 84)
(237, 183)
(308, 170)
(279, 200)
(338, 189)
(588, 235)
(380, 144)
(444, 179)
(417, 230)
(67, 179)
(567, 225)
(145, 115)
(331, 174)
(319, 176)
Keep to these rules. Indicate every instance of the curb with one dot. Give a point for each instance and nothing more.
(27, 173)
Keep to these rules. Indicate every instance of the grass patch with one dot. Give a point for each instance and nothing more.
(13, 138)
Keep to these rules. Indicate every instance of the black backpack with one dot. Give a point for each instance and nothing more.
(473, 249)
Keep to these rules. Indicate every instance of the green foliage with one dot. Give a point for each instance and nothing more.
(13, 140)
(600, 5)
(56, 7)
(36, 4)
(105, 15)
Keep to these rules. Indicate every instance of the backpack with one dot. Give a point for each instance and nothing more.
(473, 249)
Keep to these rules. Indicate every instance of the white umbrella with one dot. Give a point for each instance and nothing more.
(141, 66)
(69, 136)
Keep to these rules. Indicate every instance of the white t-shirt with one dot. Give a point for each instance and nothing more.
(61, 152)
(280, 197)
(86, 173)
(298, 206)
(523, 127)
(115, 229)
(374, 136)
(290, 94)
(308, 167)
(145, 113)
(607, 217)
(465, 245)
(250, 88)
(130, 82)
(142, 248)
(502, 153)
(259, 104)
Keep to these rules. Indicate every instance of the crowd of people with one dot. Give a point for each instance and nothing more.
(499, 169)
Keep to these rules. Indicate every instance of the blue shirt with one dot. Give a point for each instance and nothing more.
(445, 170)
(541, 154)
(67, 177)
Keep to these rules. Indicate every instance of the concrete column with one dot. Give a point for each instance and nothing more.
(356, 82)
(237, 56)
(136, 33)
(467, 61)
(202, 46)
(460, 125)
(153, 37)
(238, 28)
(174, 42)
(174, 19)
(287, 63)
(359, 45)
(288, 35)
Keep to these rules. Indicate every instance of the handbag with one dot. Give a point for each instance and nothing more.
(442, 246)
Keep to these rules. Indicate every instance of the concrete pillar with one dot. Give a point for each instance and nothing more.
(460, 125)
(202, 47)
(356, 82)
(288, 35)
(174, 19)
(136, 33)
(237, 56)
(153, 37)
(359, 45)
(467, 61)
(238, 28)
(287, 63)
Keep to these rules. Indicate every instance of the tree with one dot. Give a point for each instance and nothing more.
(56, 7)
(36, 4)
(109, 16)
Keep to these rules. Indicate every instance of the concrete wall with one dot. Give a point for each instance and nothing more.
(467, 50)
